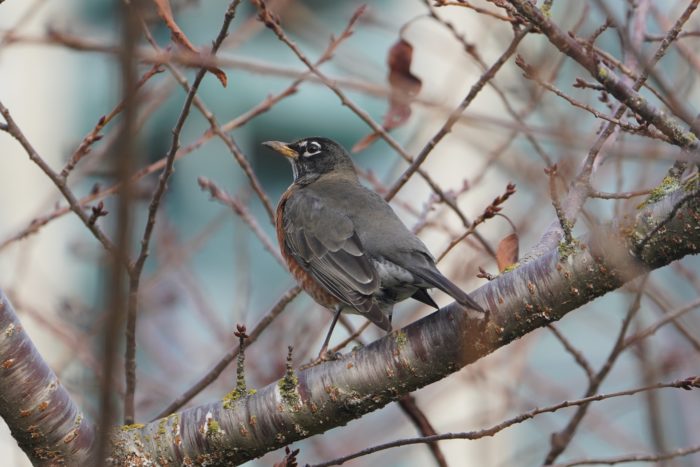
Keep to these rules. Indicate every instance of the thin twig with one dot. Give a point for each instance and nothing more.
(491, 210)
(454, 116)
(483, 11)
(352, 337)
(671, 317)
(471, 435)
(644, 130)
(73, 203)
(94, 135)
(578, 356)
(621, 195)
(230, 355)
(242, 211)
(135, 273)
(634, 458)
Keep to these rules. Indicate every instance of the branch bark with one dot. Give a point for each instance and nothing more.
(44, 419)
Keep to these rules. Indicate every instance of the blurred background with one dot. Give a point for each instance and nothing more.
(208, 270)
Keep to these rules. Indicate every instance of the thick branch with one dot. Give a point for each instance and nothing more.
(49, 427)
(45, 421)
(331, 394)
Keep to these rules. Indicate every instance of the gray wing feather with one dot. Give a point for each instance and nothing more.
(422, 265)
(324, 242)
(385, 236)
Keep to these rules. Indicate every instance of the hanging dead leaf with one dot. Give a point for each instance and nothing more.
(166, 14)
(404, 86)
(179, 37)
(365, 142)
(507, 251)
(403, 83)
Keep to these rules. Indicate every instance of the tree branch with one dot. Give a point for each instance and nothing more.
(328, 395)
(319, 398)
(607, 77)
(686, 384)
(47, 424)
(314, 400)
(325, 396)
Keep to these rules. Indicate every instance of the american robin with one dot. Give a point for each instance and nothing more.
(344, 244)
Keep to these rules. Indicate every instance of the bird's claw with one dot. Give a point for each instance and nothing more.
(324, 356)
(327, 355)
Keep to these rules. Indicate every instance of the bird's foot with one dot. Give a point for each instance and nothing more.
(325, 355)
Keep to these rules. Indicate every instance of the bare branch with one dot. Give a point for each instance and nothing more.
(335, 392)
(136, 270)
(73, 203)
(635, 458)
(607, 77)
(471, 435)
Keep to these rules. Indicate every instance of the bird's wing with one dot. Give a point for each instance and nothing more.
(421, 265)
(324, 242)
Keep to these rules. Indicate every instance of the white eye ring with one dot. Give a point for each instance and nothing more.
(312, 148)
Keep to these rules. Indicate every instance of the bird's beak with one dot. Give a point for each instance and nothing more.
(282, 148)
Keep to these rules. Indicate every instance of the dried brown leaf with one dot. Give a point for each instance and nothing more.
(219, 73)
(166, 14)
(404, 86)
(507, 251)
(179, 37)
(365, 142)
(401, 79)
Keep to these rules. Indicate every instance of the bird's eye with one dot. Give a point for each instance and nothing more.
(312, 148)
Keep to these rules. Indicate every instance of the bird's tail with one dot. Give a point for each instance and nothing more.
(371, 310)
(434, 278)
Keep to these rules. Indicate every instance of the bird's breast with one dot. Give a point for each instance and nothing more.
(302, 276)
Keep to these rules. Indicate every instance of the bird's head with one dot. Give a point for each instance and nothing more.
(315, 156)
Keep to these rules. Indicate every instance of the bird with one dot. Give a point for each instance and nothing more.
(345, 245)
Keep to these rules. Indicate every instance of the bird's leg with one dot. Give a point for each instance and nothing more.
(324, 348)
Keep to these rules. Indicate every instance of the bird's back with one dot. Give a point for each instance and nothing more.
(394, 249)
(379, 228)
